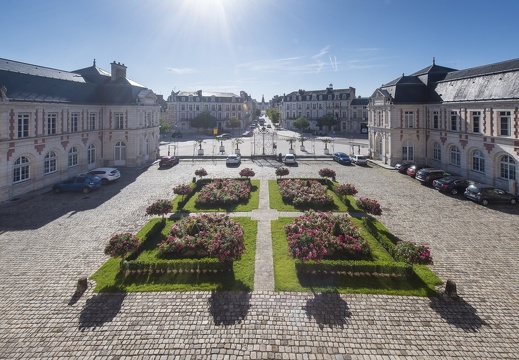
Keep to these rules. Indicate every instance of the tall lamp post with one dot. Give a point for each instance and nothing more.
(263, 130)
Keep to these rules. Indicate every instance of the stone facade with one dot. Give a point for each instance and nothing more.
(463, 121)
(55, 124)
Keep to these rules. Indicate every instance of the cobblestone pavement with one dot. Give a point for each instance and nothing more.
(48, 241)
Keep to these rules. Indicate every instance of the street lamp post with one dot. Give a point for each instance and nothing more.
(263, 130)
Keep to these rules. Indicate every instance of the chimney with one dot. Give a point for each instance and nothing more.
(118, 71)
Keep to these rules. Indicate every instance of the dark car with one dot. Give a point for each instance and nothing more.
(402, 168)
(485, 194)
(84, 183)
(320, 133)
(427, 175)
(342, 158)
(168, 161)
(452, 184)
(224, 136)
(413, 169)
(176, 134)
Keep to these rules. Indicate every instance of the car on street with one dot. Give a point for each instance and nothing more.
(289, 159)
(84, 183)
(320, 133)
(341, 158)
(402, 167)
(168, 161)
(224, 136)
(452, 184)
(248, 133)
(413, 169)
(359, 159)
(176, 134)
(486, 194)
(427, 175)
(233, 159)
(107, 175)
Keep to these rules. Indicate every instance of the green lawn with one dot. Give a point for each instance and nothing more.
(286, 277)
(109, 279)
(190, 206)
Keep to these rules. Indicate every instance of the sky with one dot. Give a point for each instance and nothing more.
(263, 47)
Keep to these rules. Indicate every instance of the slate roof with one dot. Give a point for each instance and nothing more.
(92, 85)
(435, 84)
(207, 94)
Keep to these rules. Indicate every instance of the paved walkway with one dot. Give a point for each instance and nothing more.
(47, 241)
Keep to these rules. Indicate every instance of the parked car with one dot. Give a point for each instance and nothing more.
(485, 194)
(176, 134)
(427, 175)
(452, 184)
(341, 158)
(402, 168)
(224, 136)
(289, 159)
(233, 159)
(359, 159)
(84, 183)
(248, 133)
(106, 175)
(320, 133)
(168, 161)
(413, 169)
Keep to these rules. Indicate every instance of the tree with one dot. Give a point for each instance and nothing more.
(122, 244)
(165, 127)
(204, 120)
(237, 141)
(291, 141)
(302, 140)
(274, 115)
(301, 123)
(160, 207)
(234, 123)
(327, 120)
(326, 141)
(257, 112)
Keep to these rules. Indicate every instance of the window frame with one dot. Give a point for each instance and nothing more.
(21, 169)
(50, 163)
(508, 168)
(437, 151)
(504, 130)
(454, 121)
(455, 156)
(409, 120)
(476, 122)
(23, 124)
(478, 161)
(72, 157)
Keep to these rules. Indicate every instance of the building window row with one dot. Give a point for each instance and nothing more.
(504, 122)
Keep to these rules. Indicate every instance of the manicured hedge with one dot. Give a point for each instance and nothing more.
(355, 268)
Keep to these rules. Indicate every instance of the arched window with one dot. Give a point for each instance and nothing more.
(21, 169)
(508, 168)
(437, 151)
(72, 157)
(49, 164)
(478, 161)
(455, 156)
(407, 151)
(91, 154)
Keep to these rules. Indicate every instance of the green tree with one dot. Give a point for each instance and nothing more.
(274, 115)
(164, 126)
(234, 123)
(257, 112)
(327, 120)
(204, 120)
(301, 123)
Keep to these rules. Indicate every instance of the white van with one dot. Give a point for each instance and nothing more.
(289, 159)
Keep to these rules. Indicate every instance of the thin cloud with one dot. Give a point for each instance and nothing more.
(333, 62)
(182, 71)
(322, 53)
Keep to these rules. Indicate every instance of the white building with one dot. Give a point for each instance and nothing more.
(55, 124)
(350, 112)
(463, 121)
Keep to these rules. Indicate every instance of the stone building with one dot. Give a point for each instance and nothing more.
(463, 121)
(350, 112)
(55, 124)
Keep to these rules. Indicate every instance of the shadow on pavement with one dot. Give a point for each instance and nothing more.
(458, 312)
(229, 307)
(328, 309)
(100, 309)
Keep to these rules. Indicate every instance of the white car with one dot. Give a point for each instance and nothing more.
(289, 159)
(233, 159)
(359, 159)
(107, 175)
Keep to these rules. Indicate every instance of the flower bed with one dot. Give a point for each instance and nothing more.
(300, 192)
(223, 192)
(316, 235)
(206, 235)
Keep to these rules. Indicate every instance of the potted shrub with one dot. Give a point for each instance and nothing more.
(200, 150)
(326, 141)
(302, 139)
(291, 141)
(122, 244)
(237, 141)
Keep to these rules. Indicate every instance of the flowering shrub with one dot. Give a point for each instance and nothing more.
(326, 172)
(315, 235)
(121, 244)
(223, 192)
(369, 205)
(413, 253)
(345, 189)
(183, 189)
(204, 235)
(282, 171)
(304, 192)
(159, 207)
(201, 172)
(247, 172)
